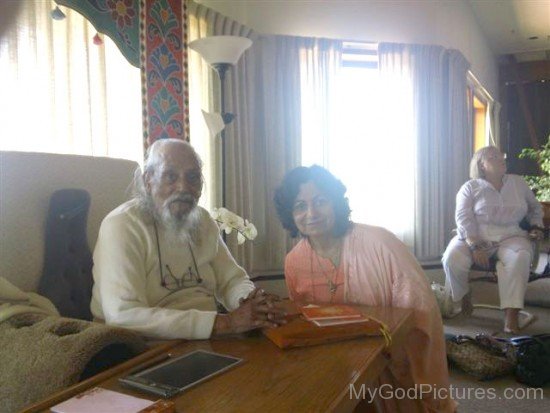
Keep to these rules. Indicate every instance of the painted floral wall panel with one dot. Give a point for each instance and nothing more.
(165, 62)
(152, 35)
(119, 19)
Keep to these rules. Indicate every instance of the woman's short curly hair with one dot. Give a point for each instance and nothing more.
(328, 184)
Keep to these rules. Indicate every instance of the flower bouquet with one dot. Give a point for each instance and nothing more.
(229, 221)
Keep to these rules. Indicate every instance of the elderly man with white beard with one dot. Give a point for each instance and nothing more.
(159, 261)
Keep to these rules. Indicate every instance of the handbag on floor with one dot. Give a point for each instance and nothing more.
(479, 357)
(532, 359)
(487, 357)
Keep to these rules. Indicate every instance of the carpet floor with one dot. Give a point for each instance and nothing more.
(504, 394)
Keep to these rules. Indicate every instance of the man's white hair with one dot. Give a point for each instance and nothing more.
(153, 156)
(153, 160)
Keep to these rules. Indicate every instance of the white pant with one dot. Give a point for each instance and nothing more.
(514, 261)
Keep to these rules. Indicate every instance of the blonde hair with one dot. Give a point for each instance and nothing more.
(476, 171)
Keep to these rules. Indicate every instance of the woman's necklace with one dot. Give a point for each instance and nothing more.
(331, 277)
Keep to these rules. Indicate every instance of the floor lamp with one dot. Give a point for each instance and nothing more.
(220, 52)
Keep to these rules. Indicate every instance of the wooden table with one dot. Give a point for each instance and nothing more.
(315, 378)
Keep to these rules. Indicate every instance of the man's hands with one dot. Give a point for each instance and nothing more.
(258, 310)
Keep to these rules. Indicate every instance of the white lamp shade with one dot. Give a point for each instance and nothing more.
(214, 122)
(221, 49)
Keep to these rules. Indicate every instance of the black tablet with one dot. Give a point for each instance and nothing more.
(179, 373)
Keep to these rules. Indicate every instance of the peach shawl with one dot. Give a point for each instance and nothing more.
(380, 271)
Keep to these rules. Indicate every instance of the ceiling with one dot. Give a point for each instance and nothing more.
(509, 25)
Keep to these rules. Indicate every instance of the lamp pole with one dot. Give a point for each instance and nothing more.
(220, 52)
(221, 69)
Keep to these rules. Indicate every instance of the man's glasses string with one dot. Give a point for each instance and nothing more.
(185, 281)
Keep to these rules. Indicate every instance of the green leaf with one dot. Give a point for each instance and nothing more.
(539, 183)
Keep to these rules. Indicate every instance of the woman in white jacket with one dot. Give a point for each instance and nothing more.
(489, 209)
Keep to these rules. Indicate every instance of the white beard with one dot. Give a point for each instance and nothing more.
(184, 229)
(178, 229)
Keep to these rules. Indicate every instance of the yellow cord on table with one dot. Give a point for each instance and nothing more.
(384, 330)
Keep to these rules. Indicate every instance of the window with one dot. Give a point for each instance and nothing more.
(370, 144)
(481, 138)
(483, 124)
(63, 94)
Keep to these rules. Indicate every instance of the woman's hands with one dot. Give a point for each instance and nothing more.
(479, 252)
(536, 234)
(481, 249)
(258, 310)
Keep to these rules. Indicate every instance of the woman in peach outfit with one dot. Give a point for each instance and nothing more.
(337, 261)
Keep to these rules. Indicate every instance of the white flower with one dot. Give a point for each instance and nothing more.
(215, 214)
(250, 231)
(229, 221)
(240, 238)
(230, 218)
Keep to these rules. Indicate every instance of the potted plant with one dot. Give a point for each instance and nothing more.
(540, 183)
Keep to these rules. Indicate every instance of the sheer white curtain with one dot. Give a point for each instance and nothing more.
(320, 65)
(201, 92)
(61, 93)
(375, 148)
(456, 138)
(263, 142)
(275, 143)
(441, 138)
(357, 122)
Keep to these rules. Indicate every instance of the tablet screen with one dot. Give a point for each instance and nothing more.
(181, 372)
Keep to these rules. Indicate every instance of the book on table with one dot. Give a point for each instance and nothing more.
(102, 400)
(331, 315)
(299, 331)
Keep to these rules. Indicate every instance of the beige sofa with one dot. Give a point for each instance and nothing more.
(56, 351)
(27, 181)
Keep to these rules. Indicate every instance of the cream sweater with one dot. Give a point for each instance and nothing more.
(127, 288)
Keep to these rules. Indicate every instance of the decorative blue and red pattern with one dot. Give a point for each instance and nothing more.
(165, 43)
(164, 84)
(152, 35)
(119, 19)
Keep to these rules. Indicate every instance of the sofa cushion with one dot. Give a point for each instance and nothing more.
(67, 276)
(27, 182)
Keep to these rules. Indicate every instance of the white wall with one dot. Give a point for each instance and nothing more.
(449, 23)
